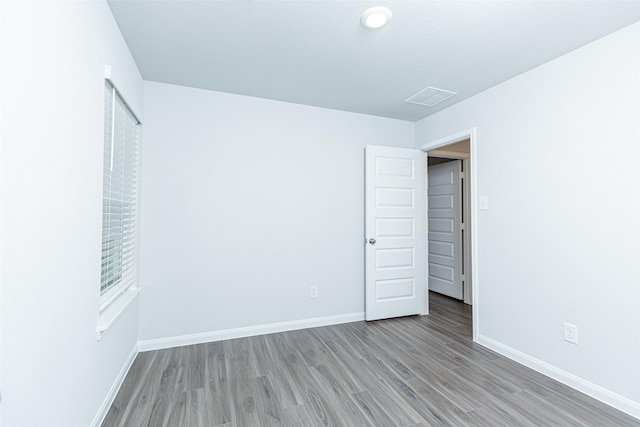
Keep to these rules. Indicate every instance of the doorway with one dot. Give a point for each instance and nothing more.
(449, 224)
(461, 146)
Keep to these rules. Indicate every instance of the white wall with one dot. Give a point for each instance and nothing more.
(558, 150)
(247, 202)
(54, 372)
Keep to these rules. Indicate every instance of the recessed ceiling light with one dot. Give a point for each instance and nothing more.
(375, 17)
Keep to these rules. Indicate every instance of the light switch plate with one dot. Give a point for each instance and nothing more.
(484, 203)
(570, 333)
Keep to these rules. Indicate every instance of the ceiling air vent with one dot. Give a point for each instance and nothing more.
(430, 96)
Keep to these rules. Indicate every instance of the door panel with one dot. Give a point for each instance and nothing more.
(394, 198)
(395, 258)
(395, 289)
(389, 228)
(394, 220)
(445, 254)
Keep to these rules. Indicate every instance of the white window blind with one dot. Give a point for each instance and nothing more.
(120, 182)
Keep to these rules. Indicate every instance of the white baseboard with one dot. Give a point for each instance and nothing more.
(602, 394)
(249, 331)
(106, 404)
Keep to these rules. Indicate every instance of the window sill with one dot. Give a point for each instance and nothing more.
(114, 310)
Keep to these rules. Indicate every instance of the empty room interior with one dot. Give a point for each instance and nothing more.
(312, 213)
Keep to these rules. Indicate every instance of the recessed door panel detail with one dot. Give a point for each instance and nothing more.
(393, 167)
(441, 202)
(394, 228)
(446, 178)
(441, 225)
(445, 249)
(394, 258)
(441, 272)
(394, 197)
(394, 289)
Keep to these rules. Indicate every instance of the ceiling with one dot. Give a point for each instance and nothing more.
(317, 53)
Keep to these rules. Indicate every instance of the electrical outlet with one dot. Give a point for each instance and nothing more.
(314, 291)
(570, 333)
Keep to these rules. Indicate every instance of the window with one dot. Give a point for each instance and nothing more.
(120, 180)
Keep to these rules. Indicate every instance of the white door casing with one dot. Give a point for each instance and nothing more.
(445, 239)
(395, 232)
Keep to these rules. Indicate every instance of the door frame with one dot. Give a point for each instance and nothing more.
(475, 288)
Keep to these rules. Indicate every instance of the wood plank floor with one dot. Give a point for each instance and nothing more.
(413, 371)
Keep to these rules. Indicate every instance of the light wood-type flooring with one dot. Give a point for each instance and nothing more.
(413, 371)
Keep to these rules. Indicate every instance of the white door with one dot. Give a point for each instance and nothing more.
(395, 234)
(445, 251)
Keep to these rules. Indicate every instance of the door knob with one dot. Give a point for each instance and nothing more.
(372, 241)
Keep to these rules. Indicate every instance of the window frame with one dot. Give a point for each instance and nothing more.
(118, 296)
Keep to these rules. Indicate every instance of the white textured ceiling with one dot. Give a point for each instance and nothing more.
(317, 53)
